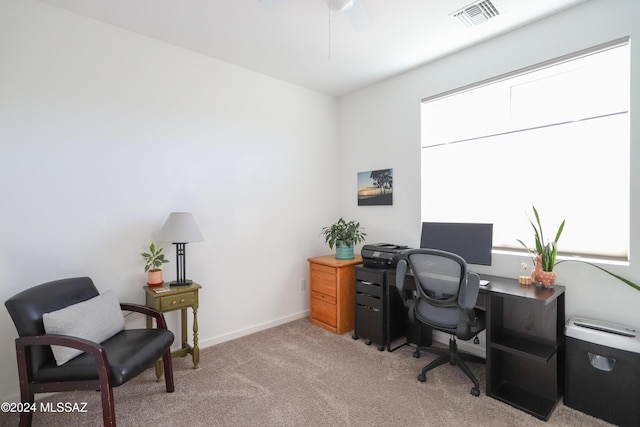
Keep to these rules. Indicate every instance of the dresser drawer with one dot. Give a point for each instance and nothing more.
(323, 268)
(323, 297)
(323, 309)
(173, 302)
(324, 282)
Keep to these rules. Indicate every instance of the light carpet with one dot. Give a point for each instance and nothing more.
(298, 374)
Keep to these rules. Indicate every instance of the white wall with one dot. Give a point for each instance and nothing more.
(380, 128)
(103, 133)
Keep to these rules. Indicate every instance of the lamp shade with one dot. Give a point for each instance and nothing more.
(180, 227)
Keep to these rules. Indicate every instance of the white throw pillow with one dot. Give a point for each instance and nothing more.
(96, 319)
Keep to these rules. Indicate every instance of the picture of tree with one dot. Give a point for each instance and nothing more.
(375, 187)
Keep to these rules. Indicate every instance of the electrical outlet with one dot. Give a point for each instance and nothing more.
(302, 285)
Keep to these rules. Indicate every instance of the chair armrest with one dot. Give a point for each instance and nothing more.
(96, 350)
(61, 340)
(138, 308)
(469, 291)
(401, 271)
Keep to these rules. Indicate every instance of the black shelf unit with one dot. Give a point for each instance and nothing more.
(525, 348)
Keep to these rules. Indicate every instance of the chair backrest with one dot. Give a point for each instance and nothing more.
(27, 307)
(445, 291)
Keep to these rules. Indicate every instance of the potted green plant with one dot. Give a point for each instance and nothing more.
(344, 235)
(154, 260)
(545, 256)
(545, 253)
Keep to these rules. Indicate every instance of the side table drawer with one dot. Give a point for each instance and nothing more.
(173, 302)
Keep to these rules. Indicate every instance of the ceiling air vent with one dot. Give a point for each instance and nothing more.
(476, 13)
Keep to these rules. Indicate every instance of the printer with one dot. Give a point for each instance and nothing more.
(381, 255)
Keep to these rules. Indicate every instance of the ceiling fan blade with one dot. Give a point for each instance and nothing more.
(339, 5)
(359, 17)
(268, 4)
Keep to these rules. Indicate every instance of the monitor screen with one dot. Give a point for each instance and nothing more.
(472, 241)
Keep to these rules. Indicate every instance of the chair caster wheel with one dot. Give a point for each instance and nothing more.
(422, 378)
(416, 354)
(367, 342)
(354, 336)
(475, 391)
(380, 348)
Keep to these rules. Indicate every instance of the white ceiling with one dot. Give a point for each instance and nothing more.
(301, 42)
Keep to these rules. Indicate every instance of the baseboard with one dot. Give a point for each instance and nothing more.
(252, 329)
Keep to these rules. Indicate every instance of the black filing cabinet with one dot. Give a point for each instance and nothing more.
(380, 315)
(369, 306)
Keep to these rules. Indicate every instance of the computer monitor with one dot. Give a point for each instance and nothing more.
(471, 241)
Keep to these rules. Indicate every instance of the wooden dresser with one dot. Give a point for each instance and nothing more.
(331, 292)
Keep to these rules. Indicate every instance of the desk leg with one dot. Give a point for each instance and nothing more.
(196, 349)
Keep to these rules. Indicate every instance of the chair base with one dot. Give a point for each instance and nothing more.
(454, 357)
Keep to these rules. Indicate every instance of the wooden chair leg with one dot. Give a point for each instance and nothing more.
(168, 371)
(26, 418)
(108, 406)
(26, 394)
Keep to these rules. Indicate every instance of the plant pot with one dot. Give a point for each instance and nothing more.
(343, 251)
(154, 277)
(547, 278)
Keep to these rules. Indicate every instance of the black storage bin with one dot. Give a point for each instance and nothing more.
(602, 369)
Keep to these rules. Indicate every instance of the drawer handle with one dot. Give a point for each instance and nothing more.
(175, 302)
(182, 300)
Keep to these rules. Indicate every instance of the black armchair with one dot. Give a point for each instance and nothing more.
(101, 367)
(445, 297)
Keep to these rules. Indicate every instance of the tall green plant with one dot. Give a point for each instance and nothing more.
(549, 251)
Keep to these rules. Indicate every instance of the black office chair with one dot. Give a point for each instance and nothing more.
(444, 299)
(101, 367)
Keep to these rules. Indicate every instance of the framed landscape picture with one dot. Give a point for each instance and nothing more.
(375, 188)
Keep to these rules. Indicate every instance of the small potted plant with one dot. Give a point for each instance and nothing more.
(545, 253)
(545, 257)
(154, 260)
(344, 235)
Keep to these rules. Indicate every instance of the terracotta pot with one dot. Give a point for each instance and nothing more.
(154, 277)
(547, 278)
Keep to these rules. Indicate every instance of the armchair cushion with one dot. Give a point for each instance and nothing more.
(129, 352)
(96, 319)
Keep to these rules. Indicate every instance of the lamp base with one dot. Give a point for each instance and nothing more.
(186, 282)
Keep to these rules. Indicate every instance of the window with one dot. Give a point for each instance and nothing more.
(555, 135)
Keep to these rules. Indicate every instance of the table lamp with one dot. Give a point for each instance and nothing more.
(180, 228)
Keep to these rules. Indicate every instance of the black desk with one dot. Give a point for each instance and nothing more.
(525, 339)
